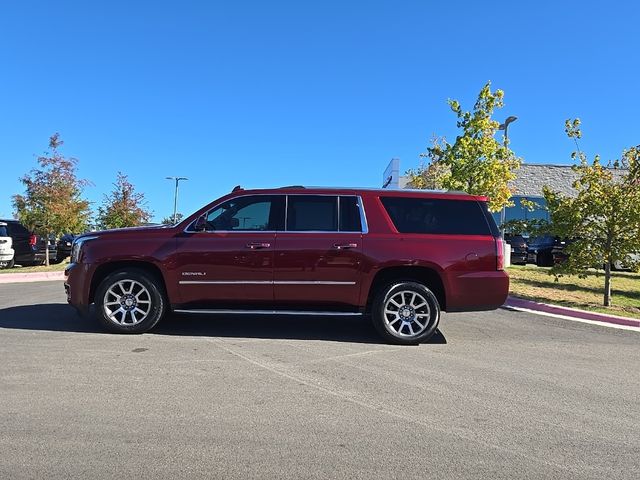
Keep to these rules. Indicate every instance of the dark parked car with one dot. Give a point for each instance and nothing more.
(51, 244)
(398, 256)
(559, 251)
(29, 248)
(542, 250)
(518, 248)
(63, 247)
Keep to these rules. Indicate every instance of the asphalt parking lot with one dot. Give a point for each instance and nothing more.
(496, 395)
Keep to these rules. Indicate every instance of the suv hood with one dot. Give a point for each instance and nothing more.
(116, 231)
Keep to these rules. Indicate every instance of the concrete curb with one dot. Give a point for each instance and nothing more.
(30, 277)
(516, 302)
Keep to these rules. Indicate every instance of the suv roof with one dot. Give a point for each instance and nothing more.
(351, 190)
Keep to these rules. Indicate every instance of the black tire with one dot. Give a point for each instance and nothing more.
(9, 265)
(146, 295)
(387, 323)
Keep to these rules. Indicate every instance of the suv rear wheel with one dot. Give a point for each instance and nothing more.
(406, 312)
(129, 301)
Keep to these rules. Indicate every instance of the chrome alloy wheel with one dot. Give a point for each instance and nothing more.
(407, 314)
(127, 302)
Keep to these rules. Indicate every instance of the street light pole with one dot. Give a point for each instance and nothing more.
(505, 126)
(175, 197)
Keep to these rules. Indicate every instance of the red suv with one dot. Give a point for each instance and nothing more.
(399, 256)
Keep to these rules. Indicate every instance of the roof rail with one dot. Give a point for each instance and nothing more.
(457, 191)
(293, 186)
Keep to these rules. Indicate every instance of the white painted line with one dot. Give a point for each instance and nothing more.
(581, 320)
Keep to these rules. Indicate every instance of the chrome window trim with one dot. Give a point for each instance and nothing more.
(363, 216)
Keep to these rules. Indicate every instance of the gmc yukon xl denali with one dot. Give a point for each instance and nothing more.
(400, 257)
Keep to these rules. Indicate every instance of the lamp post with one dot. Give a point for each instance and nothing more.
(505, 126)
(175, 197)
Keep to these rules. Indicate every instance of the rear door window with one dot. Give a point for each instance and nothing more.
(312, 213)
(436, 216)
(350, 220)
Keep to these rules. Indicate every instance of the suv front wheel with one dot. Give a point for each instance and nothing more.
(129, 301)
(406, 313)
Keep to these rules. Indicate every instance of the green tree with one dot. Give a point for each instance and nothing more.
(123, 207)
(476, 162)
(52, 203)
(603, 217)
(168, 220)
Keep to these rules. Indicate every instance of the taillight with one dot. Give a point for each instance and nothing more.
(499, 253)
(33, 240)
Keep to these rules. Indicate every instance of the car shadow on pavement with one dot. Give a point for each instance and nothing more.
(63, 318)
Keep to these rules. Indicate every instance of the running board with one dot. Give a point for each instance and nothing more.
(270, 312)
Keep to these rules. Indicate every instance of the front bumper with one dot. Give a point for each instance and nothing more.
(77, 285)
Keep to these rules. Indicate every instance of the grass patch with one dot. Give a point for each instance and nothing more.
(535, 283)
(40, 268)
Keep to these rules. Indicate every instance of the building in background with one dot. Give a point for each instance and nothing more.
(530, 180)
(391, 177)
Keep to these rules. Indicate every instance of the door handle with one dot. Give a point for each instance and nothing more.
(344, 246)
(258, 245)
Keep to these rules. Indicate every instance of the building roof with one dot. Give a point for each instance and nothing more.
(531, 178)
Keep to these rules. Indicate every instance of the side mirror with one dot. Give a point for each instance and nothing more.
(201, 224)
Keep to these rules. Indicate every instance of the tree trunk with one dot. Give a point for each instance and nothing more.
(46, 250)
(607, 283)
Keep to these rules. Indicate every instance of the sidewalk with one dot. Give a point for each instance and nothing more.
(31, 277)
(574, 313)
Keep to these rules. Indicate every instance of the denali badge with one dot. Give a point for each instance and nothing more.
(198, 274)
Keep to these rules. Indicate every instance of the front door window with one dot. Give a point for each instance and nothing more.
(253, 213)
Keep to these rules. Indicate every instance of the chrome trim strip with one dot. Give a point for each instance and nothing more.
(263, 282)
(226, 282)
(268, 312)
(363, 216)
(311, 282)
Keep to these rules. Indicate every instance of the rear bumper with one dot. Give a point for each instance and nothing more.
(519, 258)
(31, 257)
(478, 291)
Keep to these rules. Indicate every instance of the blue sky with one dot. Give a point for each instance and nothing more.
(322, 93)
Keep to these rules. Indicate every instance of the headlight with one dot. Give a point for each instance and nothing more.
(77, 247)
